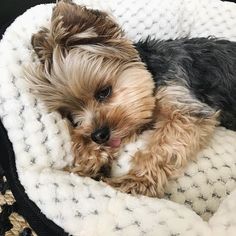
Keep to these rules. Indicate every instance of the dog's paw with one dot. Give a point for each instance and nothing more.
(134, 185)
(94, 166)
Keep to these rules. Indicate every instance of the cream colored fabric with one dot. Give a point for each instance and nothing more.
(42, 143)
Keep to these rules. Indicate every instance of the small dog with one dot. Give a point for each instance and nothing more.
(112, 91)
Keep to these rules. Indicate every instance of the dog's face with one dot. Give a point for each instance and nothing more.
(92, 75)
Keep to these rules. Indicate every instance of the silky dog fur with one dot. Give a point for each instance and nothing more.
(112, 90)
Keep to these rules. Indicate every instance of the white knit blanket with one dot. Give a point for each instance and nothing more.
(201, 202)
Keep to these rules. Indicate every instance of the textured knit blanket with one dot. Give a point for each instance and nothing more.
(200, 202)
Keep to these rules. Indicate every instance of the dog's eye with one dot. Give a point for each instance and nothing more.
(102, 94)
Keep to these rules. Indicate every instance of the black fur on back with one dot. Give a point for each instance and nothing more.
(207, 66)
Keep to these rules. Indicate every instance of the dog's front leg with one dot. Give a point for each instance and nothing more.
(183, 125)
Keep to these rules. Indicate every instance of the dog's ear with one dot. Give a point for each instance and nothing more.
(73, 25)
(43, 46)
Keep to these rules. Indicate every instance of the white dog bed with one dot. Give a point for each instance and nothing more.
(201, 202)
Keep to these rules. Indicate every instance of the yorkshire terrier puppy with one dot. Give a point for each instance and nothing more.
(97, 78)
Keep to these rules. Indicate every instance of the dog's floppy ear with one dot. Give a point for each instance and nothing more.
(43, 46)
(73, 25)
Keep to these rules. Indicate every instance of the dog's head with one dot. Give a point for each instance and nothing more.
(93, 75)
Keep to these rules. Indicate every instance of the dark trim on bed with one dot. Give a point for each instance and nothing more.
(25, 207)
(37, 220)
(10, 9)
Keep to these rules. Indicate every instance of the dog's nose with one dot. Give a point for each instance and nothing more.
(101, 135)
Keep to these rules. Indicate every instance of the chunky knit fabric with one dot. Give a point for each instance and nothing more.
(41, 141)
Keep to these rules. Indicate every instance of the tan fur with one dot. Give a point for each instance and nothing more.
(84, 51)
(175, 140)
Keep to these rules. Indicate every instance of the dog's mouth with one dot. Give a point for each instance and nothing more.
(114, 142)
